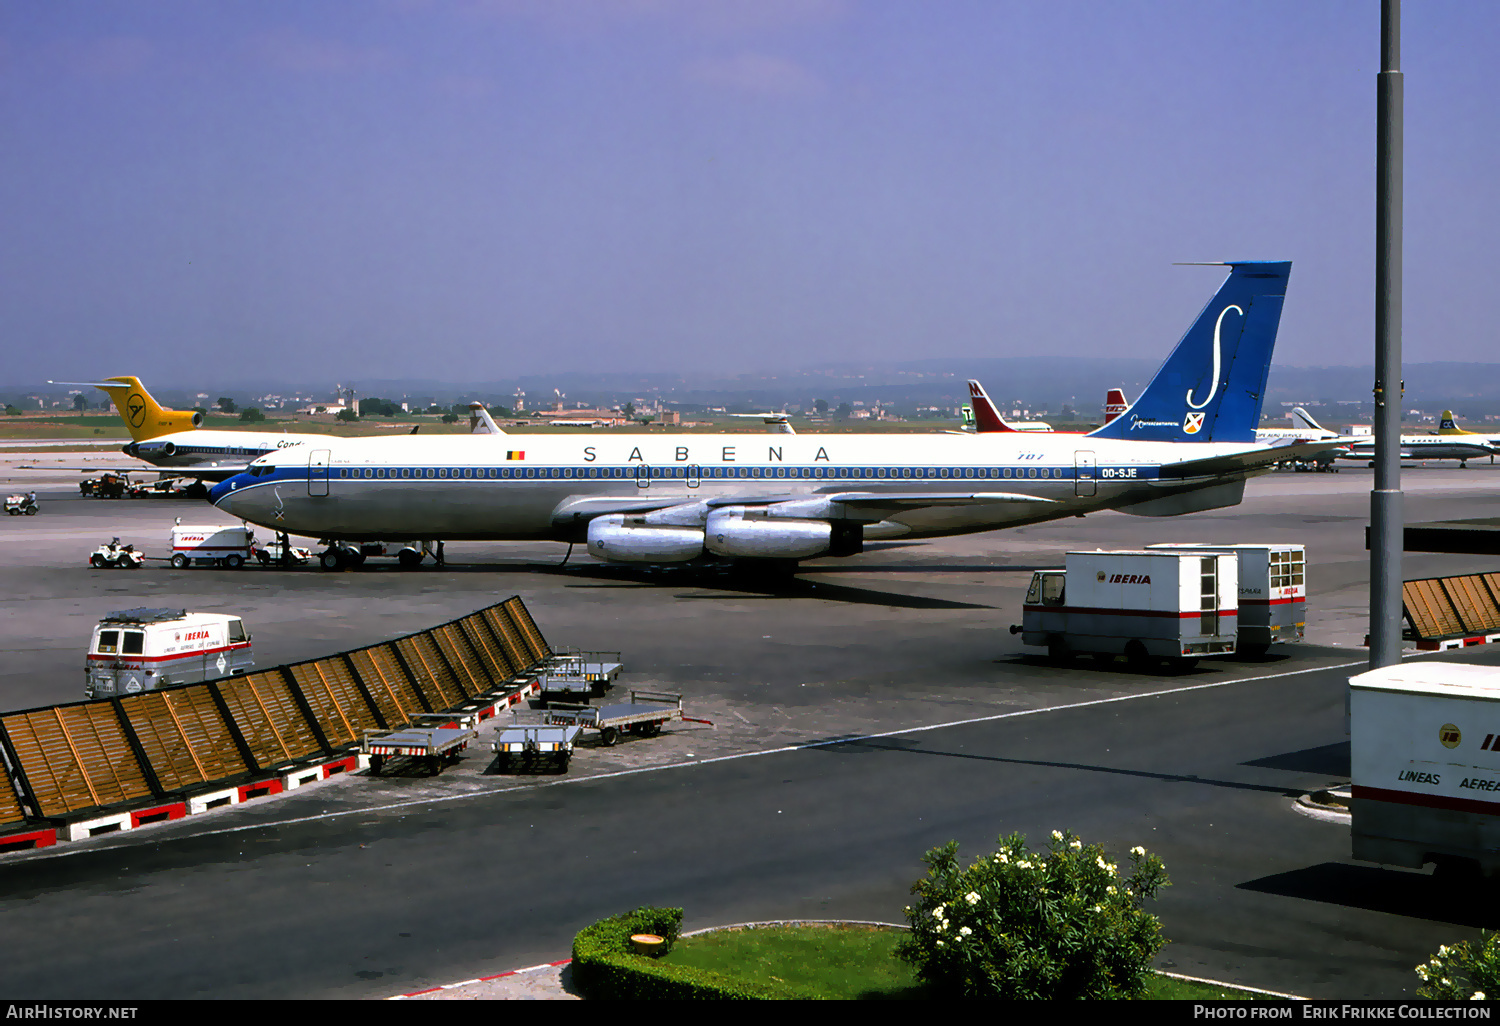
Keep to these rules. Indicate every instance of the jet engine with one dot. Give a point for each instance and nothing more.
(737, 533)
(146, 450)
(631, 539)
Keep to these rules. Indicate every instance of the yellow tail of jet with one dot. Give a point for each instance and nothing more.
(1447, 427)
(143, 416)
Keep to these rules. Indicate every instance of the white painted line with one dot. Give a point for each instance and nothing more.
(1230, 986)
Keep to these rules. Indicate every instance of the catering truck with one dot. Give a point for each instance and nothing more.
(136, 650)
(1273, 591)
(1424, 753)
(1144, 605)
(211, 545)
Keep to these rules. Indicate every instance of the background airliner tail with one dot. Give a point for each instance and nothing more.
(144, 418)
(1447, 427)
(1210, 389)
(1301, 416)
(986, 417)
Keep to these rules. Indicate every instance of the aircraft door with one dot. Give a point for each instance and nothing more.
(642, 476)
(694, 475)
(1085, 473)
(317, 472)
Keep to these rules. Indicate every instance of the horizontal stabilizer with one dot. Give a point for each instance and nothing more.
(1279, 451)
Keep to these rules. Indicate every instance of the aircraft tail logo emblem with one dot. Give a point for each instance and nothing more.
(135, 410)
(1193, 423)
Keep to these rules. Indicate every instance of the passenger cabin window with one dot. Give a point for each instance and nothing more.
(135, 643)
(109, 642)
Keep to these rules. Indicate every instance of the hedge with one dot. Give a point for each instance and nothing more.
(606, 967)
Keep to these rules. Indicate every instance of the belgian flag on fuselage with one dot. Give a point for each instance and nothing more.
(1211, 387)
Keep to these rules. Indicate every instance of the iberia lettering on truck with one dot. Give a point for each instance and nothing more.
(137, 650)
(1144, 605)
(1273, 591)
(211, 546)
(1425, 770)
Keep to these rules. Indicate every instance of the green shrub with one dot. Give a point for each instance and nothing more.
(1016, 924)
(605, 966)
(1460, 972)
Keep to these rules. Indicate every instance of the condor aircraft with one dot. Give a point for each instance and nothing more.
(176, 443)
(1187, 444)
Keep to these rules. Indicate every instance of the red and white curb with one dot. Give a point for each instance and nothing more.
(481, 979)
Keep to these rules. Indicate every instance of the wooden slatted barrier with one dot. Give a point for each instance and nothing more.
(535, 643)
(183, 736)
(85, 756)
(1450, 612)
(75, 757)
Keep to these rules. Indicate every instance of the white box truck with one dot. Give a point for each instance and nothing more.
(137, 650)
(1424, 752)
(1273, 591)
(1141, 604)
(211, 545)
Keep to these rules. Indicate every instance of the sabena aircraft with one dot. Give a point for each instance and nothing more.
(1187, 444)
(176, 443)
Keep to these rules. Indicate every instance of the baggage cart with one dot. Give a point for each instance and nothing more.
(432, 746)
(529, 746)
(643, 716)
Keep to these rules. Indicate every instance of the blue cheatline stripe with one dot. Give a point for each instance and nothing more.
(680, 472)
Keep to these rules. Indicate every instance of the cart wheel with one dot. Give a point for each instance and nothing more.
(31, 511)
(98, 561)
(233, 561)
(434, 765)
(330, 560)
(263, 556)
(376, 762)
(179, 561)
(609, 736)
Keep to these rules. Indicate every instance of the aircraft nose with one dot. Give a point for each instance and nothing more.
(221, 494)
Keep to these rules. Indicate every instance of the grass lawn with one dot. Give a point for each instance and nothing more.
(850, 962)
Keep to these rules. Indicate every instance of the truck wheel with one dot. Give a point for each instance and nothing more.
(233, 561)
(179, 561)
(1058, 651)
(1137, 657)
(98, 561)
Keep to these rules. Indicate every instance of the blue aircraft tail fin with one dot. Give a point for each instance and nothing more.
(1211, 388)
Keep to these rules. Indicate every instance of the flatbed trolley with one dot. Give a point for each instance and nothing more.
(434, 746)
(578, 676)
(533, 744)
(643, 715)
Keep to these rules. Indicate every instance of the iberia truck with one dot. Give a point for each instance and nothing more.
(1273, 591)
(1143, 605)
(136, 650)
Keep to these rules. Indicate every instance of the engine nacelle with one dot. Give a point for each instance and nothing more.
(731, 533)
(147, 450)
(618, 538)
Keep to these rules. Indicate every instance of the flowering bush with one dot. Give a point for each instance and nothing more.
(1459, 972)
(1063, 923)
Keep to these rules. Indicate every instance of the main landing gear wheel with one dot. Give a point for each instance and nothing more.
(409, 559)
(330, 560)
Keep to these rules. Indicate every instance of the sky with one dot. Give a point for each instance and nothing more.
(481, 189)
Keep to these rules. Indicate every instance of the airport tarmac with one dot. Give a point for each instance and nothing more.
(866, 710)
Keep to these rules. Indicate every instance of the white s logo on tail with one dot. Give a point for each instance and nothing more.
(1215, 388)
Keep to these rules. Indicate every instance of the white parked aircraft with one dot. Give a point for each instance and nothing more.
(1450, 443)
(1187, 444)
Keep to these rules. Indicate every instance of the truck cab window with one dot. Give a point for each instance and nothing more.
(236, 631)
(135, 643)
(109, 642)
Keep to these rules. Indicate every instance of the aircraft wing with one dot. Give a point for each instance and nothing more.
(1256, 459)
(895, 501)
